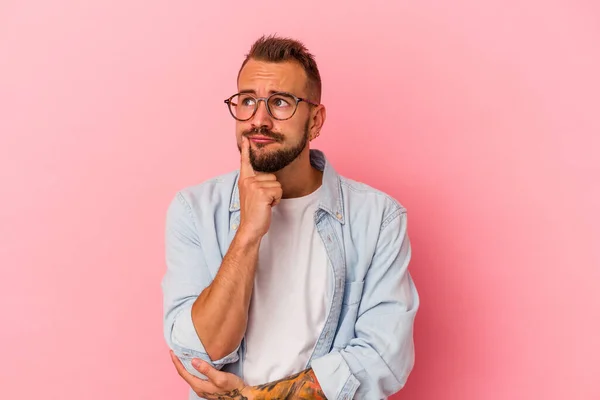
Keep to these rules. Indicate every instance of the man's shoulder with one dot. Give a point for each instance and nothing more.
(362, 194)
(211, 190)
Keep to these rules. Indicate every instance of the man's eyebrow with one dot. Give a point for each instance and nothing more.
(252, 91)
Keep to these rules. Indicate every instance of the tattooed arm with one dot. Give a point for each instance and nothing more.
(220, 385)
(303, 385)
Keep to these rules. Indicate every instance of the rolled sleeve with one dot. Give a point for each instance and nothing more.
(187, 345)
(334, 376)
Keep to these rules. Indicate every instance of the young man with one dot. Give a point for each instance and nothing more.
(285, 279)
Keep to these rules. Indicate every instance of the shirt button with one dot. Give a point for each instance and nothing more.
(234, 226)
(338, 215)
(236, 205)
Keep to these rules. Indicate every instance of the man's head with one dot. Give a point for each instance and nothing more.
(285, 72)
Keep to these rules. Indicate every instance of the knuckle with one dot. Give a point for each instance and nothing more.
(198, 389)
(220, 381)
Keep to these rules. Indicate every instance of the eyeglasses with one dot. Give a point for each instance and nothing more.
(280, 105)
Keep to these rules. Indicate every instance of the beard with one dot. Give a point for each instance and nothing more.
(276, 160)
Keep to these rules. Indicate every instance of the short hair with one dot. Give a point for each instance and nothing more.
(277, 49)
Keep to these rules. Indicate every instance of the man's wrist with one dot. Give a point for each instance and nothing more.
(248, 393)
(246, 237)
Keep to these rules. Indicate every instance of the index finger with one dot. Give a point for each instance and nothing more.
(214, 375)
(189, 378)
(246, 169)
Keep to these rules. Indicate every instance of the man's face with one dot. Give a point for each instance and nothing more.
(273, 143)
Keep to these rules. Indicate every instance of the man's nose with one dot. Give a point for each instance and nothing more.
(261, 116)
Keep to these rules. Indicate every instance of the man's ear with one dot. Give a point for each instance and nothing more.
(318, 119)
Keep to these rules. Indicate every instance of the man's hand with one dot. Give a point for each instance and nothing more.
(258, 193)
(219, 385)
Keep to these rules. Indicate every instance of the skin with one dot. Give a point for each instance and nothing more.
(225, 302)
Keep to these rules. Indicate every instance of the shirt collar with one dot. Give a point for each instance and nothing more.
(330, 198)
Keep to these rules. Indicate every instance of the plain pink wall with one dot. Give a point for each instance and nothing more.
(481, 117)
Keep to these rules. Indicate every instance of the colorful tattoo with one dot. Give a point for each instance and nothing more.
(303, 385)
(232, 395)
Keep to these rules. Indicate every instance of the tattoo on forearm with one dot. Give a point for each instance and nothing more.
(303, 385)
(232, 395)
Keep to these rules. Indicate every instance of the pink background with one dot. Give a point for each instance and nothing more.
(481, 117)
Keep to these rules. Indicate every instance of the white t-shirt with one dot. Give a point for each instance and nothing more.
(291, 294)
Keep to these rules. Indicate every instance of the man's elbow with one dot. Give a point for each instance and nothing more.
(217, 351)
(402, 366)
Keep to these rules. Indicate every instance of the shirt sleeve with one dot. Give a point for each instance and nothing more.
(377, 362)
(186, 277)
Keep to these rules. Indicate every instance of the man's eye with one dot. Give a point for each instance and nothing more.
(280, 102)
(248, 101)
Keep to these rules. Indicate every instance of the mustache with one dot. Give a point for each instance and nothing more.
(264, 132)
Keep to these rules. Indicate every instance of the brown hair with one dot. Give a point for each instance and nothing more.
(276, 49)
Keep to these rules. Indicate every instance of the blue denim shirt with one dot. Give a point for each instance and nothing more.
(365, 350)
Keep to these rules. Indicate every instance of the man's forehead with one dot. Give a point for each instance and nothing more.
(286, 76)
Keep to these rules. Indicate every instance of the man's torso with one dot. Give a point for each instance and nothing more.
(348, 220)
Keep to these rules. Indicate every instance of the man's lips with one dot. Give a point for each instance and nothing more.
(261, 139)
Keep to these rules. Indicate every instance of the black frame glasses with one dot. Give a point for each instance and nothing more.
(266, 100)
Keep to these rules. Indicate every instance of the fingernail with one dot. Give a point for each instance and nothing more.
(196, 363)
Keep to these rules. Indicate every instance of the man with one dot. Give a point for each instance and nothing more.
(285, 279)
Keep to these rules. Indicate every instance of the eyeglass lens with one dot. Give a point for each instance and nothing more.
(281, 106)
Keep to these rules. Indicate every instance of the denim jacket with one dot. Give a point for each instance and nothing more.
(366, 349)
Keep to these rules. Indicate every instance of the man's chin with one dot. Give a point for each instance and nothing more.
(264, 153)
(263, 166)
(266, 163)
